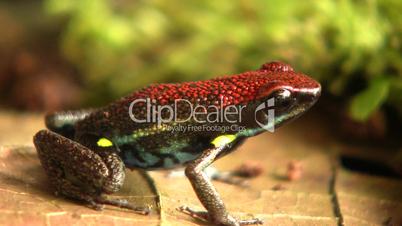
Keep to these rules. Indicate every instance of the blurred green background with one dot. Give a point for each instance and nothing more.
(58, 54)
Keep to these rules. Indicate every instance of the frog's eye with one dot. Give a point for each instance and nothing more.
(283, 98)
(282, 95)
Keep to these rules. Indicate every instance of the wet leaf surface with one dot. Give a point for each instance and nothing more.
(369, 200)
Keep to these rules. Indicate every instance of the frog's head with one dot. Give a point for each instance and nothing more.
(287, 93)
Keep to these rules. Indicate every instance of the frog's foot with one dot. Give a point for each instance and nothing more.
(228, 220)
(122, 203)
(99, 202)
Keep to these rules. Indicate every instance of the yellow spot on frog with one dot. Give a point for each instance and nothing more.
(103, 142)
(223, 140)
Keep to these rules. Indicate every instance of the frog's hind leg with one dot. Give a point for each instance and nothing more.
(63, 122)
(78, 172)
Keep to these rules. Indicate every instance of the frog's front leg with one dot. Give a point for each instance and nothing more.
(78, 172)
(207, 194)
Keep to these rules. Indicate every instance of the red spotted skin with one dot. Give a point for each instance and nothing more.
(246, 89)
(233, 89)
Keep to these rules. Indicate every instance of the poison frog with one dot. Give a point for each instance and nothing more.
(163, 126)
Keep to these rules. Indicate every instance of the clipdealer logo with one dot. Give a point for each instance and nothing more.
(162, 114)
(270, 113)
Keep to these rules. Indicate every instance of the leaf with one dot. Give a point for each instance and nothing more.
(365, 103)
(358, 193)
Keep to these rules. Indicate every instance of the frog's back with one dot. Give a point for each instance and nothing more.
(236, 89)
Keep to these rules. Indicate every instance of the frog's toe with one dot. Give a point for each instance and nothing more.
(251, 221)
(93, 205)
(227, 220)
(122, 203)
(200, 215)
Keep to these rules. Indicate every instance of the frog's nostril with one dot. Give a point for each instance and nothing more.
(313, 91)
(318, 91)
(313, 94)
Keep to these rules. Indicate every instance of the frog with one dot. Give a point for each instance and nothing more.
(85, 152)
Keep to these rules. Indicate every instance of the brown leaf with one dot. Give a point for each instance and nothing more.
(369, 200)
